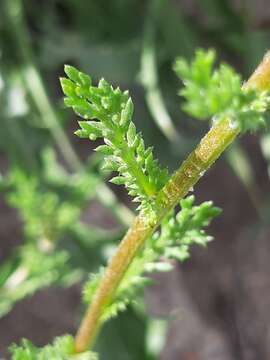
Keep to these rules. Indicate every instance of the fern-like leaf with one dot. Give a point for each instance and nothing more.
(218, 93)
(180, 232)
(174, 240)
(62, 349)
(107, 113)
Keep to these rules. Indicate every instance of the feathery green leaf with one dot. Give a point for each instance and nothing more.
(124, 148)
(177, 234)
(218, 93)
(62, 349)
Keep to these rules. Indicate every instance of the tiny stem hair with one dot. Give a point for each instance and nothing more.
(192, 169)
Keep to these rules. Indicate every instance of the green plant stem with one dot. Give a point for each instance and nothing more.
(149, 76)
(159, 112)
(192, 169)
(15, 136)
(209, 149)
(34, 84)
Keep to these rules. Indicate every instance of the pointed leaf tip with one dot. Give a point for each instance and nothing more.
(72, 73)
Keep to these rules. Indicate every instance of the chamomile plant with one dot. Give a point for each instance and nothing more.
(159, 234)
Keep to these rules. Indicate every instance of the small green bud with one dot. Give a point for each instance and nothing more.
(104, 149)
(118, 180)
(68, 87)
(131, 133)
(127, 113)
(85, 79)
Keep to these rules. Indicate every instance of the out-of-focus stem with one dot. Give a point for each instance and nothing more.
(34, 84)
(149, 77)
(265, 147)
(36, 89)
(240, 164)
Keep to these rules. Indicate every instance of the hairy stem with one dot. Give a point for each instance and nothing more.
(192, 169)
